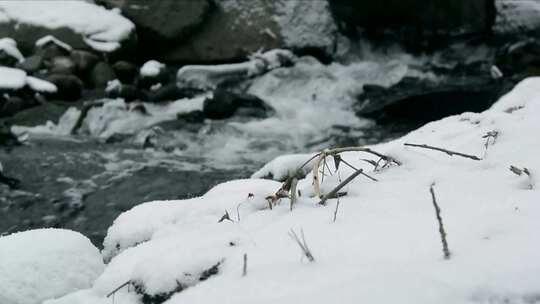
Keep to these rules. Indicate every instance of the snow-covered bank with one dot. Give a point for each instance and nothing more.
(41, 264)
(384, 246)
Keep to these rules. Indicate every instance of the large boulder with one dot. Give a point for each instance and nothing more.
(417, 19)
(69, 86)
(229, 30)
(73, 22)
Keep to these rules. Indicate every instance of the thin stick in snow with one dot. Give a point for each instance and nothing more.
(490, 135)
(244, 269)
(527, 172)
(302, 244)
(338, 187)
(451, 153)
(356, 169)
(118, 288)
(337, 204)
(442, 232)
(294, 183)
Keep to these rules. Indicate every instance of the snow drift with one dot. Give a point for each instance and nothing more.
(384, 245)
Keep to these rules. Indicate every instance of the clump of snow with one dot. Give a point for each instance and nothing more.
(102, 29)
(51, 39)
(41, 264)
(151, 68)
(9, 46)
(385, 236)
(285, 166)
(40, 85)
(12, 79)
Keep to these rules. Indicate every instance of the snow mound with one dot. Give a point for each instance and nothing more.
(151, 68)
(385, 236)
(285, 166)
(9, 46)
(103, 30)
(41, 264)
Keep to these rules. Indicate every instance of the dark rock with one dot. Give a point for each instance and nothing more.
(224, 104)
(413, 21)
(84, 61)
(38, 115)
(61, 65)
(171, 92)
(125, 71)
(50, 50)
(101, 74)
(69, 86)
(7, 60)
(6, 137)
(13, 105)
(520, 57)
(31, 64)
(128, 92)
(414, 102)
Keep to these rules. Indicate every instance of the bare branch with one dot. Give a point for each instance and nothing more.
(451, 153)
(442, 232)
(244, 269)
(118, 288)
(337, 204)
(338, 187)
(294, 183)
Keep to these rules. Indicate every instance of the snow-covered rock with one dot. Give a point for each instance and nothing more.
(384, 245)
(37, 265)
(40, 85)
(77, 23)
(9, 46)
(51, 39)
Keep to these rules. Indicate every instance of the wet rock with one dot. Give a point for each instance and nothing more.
(101, 74)
(61, 65)
(191, 117)
(69, 86)
(171, 92)
(414, 21)
(6, 137)
(224, 104)
(50, 50)
(39, 115)
(520, 57)
(414, 102)
(84, 61)
(31, 64)
(7, 60)
(128, 92)
(125, 71)
(13, 105)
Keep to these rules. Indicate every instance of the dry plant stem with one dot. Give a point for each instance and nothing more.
(294, 183)
(302, 244)
(354, 168)
(118, 288)
(338, 187)
(244, 269)
(337, 204)
(442, 232)
(451, 153)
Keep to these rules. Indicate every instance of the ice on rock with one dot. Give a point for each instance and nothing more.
(37, 265)
(151, 68)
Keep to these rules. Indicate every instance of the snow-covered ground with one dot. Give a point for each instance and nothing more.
(384, 246)
(36, 265)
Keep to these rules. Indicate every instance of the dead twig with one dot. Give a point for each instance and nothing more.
(225, 217)
(442, 232)
(519, 172)
(337, 204)
(356, 169)
(244, 268)
(338, 187)
(490, 135)
(451, 153)
(302, 244)
(118, 288)
(84, 112)
(294, 183)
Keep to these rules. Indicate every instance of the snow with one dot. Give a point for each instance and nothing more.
(102, 29)
(40, 85)
(151, 68)
(517, 16)
(51, 39)
(9, 46)
(284, 166)
(12, 79)
(384, 246)
(36, 265)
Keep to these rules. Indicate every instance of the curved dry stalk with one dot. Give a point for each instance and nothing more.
(449, 152)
